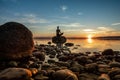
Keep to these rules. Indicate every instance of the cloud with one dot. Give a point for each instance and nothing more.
(30, 15)
(100, 30)
(106, 29)
(26, 18)
(115, 24)
(64, 8)
(91, 31)
(88, 30)
(72, 30)
(72, 25)
(31, 18)
(80, 13)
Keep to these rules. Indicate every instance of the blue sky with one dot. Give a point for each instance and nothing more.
(75, 17)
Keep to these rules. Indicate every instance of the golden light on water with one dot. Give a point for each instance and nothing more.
(89, 38)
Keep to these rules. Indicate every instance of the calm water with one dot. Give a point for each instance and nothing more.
(91, 45)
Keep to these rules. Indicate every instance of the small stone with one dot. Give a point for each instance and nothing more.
(92, 68)
(12, 64)
(33, 71)
(102, 68)
(45, 66)
(108, 52)
(114, 64)
(69, 44)
(64, 74)
(40, 55)
(61, 63)
(41, 77)
(113, 72)
(52, 52)
(34, 65)
(86, 76)
(52, 56)
(104, 77)
(63, 58)
(51, 61)
(116, 77)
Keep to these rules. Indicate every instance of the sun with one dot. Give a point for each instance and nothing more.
(89, 36)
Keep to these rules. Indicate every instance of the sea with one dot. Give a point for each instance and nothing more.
(87, 45)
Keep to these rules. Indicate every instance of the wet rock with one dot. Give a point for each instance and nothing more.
(60, 63)
(12, 64)
(51, 61)
(49, 43)
(41, 77)
(109, 57)
(92, 68)
(117, 58)
(50, 72)
(24, 65)
(34, 65)
(116, 77)
(39, 55)
(52, 56)
(88, 52)
(75, 67)
(15, 74)
(56, 68)
(113, 73)
(33, 58)
(63, 58)
(69, 44)
(103, 68)
(34, 71)
(114, 64)
(108, 52)
(12, 46)
(104, 77)
(81, 59)
(45, 66)
(66, 51)
(86, 76)
(64, 75)
(52, 52)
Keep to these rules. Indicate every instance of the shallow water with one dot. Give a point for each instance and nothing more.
(86, 45)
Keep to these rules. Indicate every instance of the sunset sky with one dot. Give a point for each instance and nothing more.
(76, 18)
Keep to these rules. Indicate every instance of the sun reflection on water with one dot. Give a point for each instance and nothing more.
(89, 40)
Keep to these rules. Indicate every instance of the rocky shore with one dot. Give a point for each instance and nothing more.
(21, 60)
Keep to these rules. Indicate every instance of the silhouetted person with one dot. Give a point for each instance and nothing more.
(58, 39)
(58, 32)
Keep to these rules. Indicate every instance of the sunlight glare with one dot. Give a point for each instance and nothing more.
(89, 36)
(89, 39)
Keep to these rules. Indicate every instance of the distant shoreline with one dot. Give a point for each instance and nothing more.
(99, 38)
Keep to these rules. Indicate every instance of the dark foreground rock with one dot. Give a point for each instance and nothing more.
(15, 74)
(15, 41)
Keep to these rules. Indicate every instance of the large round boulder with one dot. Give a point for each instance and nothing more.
(16, 41)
